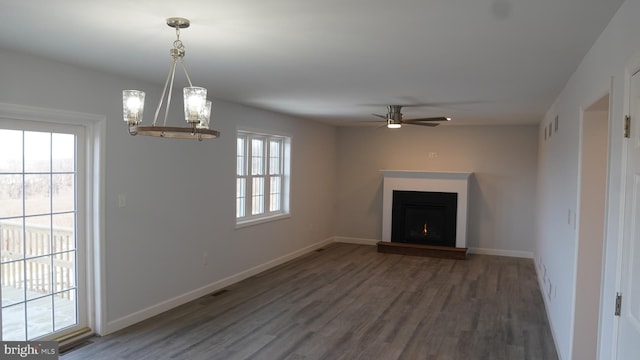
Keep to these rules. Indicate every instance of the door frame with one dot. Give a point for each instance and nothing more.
(590, 246)
(609, 329)
(94, 142)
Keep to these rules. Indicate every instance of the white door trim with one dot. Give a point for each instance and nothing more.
(95, 131)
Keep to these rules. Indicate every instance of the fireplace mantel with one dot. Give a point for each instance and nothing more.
(455, 182)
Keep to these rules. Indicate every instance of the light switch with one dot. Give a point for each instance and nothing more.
(122, 200)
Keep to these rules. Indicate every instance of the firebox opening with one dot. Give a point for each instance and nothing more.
(424, 217)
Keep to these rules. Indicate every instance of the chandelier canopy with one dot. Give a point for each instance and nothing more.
(197, 109)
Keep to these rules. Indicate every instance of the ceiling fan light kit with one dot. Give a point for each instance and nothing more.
(197, 109)
(392, 124)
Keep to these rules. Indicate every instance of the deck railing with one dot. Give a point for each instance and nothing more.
(43, 263)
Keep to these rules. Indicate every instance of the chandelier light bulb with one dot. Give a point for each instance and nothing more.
(133, 106)
(195, 99)
(204, 120)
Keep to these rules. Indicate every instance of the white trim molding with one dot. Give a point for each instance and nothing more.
(94, 137)
(453, 182)
(499, 252)
(357, 241)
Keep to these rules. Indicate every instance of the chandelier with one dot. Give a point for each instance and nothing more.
(197, 109)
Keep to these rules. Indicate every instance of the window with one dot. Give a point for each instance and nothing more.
(262, 177)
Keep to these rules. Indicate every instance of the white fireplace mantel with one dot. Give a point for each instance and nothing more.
(454, 182)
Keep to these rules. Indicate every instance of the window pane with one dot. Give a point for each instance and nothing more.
(11, 240)
(10, 195)
(64, 313)
(37, 151)
(12, 283)
(62, 227)
(64, 272)
(38, 235)
(257, 157)
(274, 194)
(37, 194)
(63, 189)
(13, 324)
(63, 152)
(241, 194)
(274, 157)
(41, 312)
(11, 150)
(241, 157)
(39, 280)
(257, 196)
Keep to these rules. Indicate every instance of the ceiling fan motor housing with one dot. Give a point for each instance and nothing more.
(393, 113)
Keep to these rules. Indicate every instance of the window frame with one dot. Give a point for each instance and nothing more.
(246, 174)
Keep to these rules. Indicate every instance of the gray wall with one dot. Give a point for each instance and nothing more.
(502, 194)
(603, 71)
(180, 194)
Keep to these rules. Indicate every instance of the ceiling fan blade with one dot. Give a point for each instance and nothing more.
(420, 123)
(444, 103)
(438, 118)
(380, 116)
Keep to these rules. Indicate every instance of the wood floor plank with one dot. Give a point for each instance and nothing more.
(351, 302)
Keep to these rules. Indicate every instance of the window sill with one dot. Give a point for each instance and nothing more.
(262, 220)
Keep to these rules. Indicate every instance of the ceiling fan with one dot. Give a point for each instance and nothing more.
(395, 121)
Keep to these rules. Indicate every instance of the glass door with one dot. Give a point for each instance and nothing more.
(41, 230)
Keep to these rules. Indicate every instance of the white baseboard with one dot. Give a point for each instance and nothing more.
(169, 304)
(351, 240)
(481, 251)
(545, 299)
(509, 253)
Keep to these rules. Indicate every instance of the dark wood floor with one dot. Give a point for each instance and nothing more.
(350, 302)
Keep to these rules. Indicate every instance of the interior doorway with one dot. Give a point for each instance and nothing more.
(594, 153)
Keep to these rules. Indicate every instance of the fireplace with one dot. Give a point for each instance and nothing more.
(442, 235)
(424, 217)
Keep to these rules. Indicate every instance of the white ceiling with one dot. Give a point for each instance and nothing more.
(332, 60)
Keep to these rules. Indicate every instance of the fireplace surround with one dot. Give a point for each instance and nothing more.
(427, 181)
